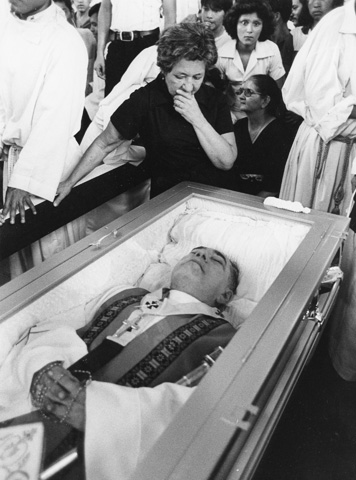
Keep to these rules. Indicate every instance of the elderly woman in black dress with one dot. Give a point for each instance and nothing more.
(184, 124)
(262, 138)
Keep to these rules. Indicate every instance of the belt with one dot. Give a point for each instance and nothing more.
(131, 35)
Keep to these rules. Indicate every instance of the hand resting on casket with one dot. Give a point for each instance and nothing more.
(59, 395)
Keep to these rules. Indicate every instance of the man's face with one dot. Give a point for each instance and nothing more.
(319, 8)
(94, 24)
(204, 274)
(296, 9)
(26, 8)
(213, 18)
(82, 5)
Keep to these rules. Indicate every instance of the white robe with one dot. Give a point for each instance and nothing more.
(42, 79)
(321, 87)
(133, 419)
(142, 70)
(42, 88)
(122, 423)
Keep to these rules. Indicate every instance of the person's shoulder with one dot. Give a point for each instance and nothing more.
(153, 93)
(266, 48)
(61, 28)
(278, 133)
(210, 94)
(241, 124)
(228, 49)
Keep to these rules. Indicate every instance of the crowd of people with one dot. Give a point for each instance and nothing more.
(257, 96)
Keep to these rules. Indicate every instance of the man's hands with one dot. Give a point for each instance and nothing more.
(15, 201)
(186, 104)
(57, 393)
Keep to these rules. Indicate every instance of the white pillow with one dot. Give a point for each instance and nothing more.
(261, 249)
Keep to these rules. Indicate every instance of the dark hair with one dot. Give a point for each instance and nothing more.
(217, 4)
(242, 7)
(191, 41)
(284, 7)
(305, 20)
(94, 9)
(266, 86)
(233, 282)
(234, 279)
(67, 3)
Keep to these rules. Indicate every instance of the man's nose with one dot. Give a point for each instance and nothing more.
(202, 255)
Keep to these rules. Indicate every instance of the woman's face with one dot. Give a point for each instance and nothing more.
(249, 28)
(319, 8)
(186, 75)
(250, 98)
(296, 9)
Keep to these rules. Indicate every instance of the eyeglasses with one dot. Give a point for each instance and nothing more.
(247, 92)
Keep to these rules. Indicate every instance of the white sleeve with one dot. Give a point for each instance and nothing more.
(276, 69)
(56, 119)
(123, 423)
(23, 361)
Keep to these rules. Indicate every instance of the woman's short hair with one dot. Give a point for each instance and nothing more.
(217, 4)
(266, 86)
(189, 41)
(242, 7)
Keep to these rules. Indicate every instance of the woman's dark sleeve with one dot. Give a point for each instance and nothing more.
(128, 118)
(223, 122)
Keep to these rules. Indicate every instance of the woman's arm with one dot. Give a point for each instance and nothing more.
(221, 149)
(104, 144)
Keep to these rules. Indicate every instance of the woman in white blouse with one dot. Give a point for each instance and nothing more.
(249, 23)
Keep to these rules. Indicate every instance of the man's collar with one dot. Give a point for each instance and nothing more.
(173, 302)
(41, 16)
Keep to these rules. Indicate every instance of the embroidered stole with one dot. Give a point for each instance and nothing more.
(149, 354)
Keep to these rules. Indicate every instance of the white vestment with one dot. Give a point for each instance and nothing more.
(42, 86)
(42, 78)
(321, 87)
(132, 418)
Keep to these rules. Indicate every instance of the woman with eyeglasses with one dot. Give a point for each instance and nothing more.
(262, 139)
(249, 23)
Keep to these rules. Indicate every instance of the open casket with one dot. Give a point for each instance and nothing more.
(279, 311)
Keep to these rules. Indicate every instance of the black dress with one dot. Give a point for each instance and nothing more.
(173, 151)
(260, 165)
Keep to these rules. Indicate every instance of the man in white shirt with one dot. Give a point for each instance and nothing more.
(131, 26)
